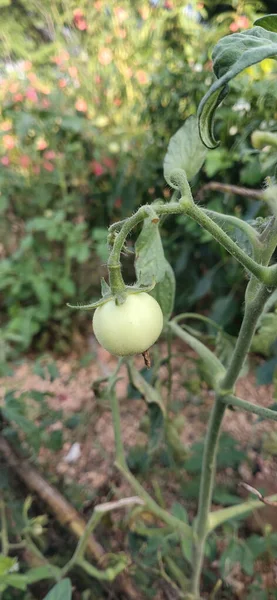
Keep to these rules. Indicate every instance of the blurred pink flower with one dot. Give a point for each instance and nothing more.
(25, 161)
(41, 144)
(62, 83)
(142, 77)
(105, 56)
(81, 105)
(50, 155)
(117, 102)
(31, 95)
(239, 23)
(98, 5)
(97, 79)
(48, 166)
(36, 169)
(9, 141)
(79, 19)
(97, 168)
(5, 161)
(121, 14)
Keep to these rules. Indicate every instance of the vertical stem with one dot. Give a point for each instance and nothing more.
(119, 448)
(4, 529)
(251, 315)
(122, 466)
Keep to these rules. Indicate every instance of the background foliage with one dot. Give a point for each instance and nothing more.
(90, 98)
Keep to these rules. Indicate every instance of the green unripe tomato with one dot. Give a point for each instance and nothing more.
(128, 328)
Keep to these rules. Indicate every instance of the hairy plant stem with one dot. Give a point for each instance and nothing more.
(251, 315)
(114, 267)
(261, 272)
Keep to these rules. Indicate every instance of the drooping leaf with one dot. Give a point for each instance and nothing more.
(231, 55)
(149, 255)
(268, 22)
(151, 265)
(185, 151)
(164, 292)
(61, 591)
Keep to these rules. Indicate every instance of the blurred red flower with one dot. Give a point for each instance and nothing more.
(97, 168)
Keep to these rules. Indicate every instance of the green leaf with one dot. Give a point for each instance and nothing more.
(266, 334)
(247, 560)
(185, 151)
(4, 203)
(265, 373)
(12, 413)
(164, 292)
(225, 498)
(6, 563)
(39, 573)
(150, 263)
(268, 22)
(179, 511)
(14, 580)
(156, 432)
(61, 591)
(231, 55)
(224, 309)
(55, 440)
(105, 288)
(53, 371)
(257, 544)
(231, 556)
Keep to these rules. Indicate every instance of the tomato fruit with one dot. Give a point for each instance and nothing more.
(128, 328)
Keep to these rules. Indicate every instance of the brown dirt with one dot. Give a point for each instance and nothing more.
(94, 470)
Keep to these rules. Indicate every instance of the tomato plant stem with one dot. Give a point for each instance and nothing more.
(251, 315)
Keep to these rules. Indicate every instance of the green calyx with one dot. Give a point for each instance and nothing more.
(119, 296)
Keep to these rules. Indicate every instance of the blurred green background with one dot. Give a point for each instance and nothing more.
(90, 94)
